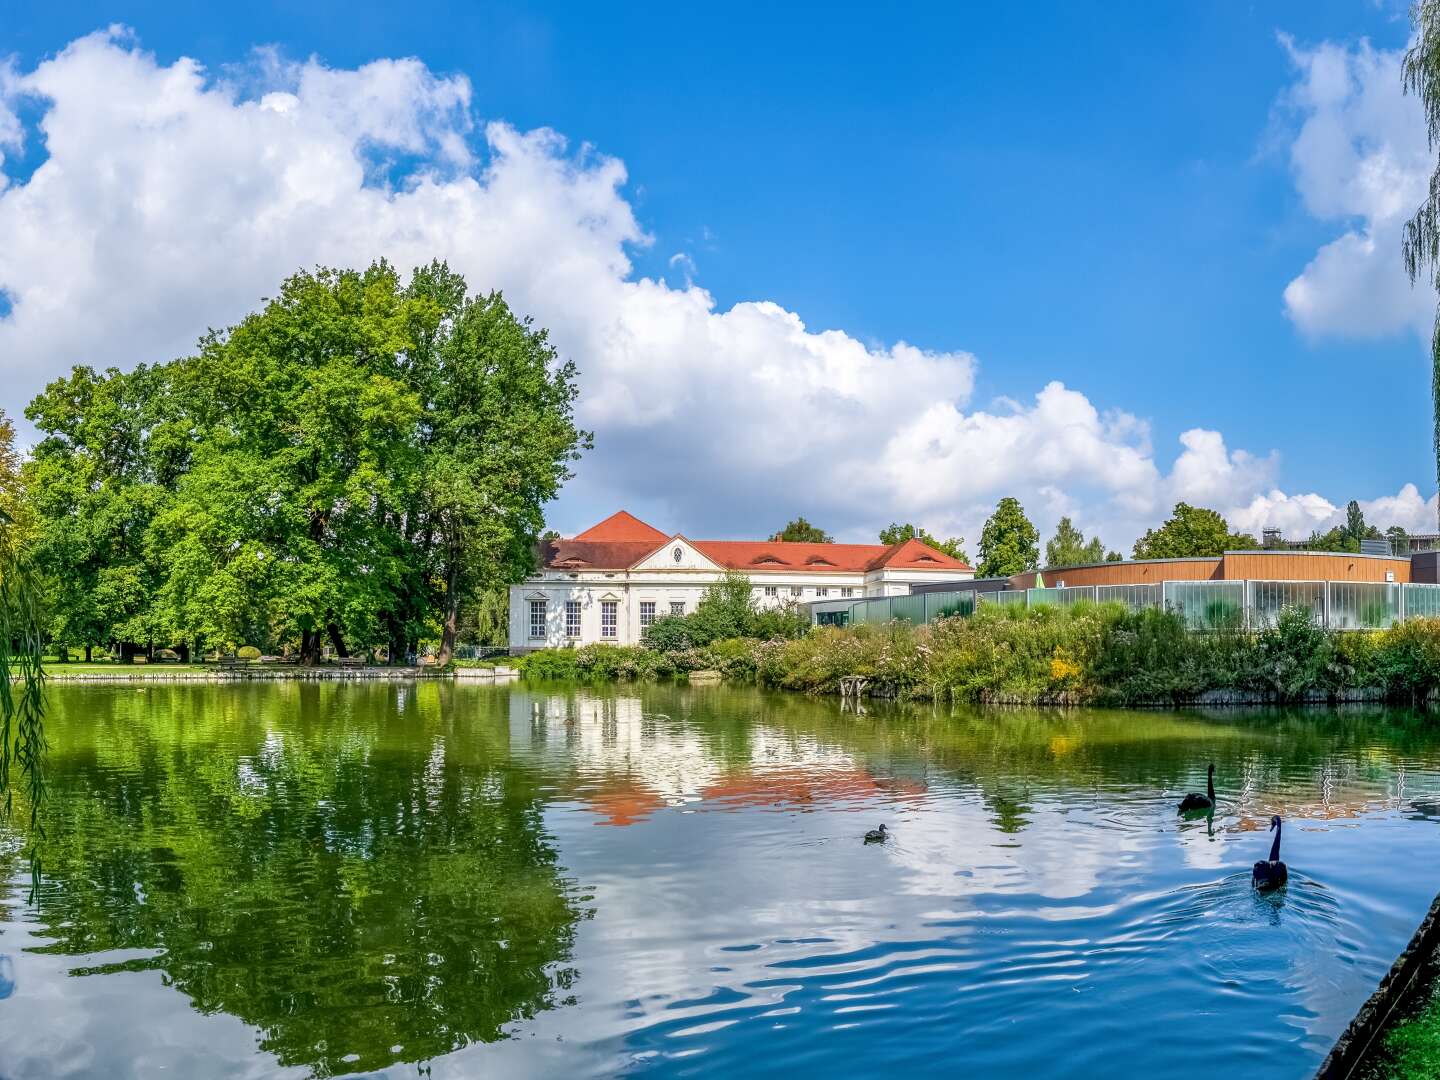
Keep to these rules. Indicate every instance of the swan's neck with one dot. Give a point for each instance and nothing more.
(1275, 847)
(1210, 785)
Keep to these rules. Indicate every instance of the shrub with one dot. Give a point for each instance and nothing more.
(1354, 661)
(247, 652)
(1149, 656)
(606, 661)
(726, 612)
(734, 658)
(1407, 659)
(1291, 658)
(549, 664)
(669, 633)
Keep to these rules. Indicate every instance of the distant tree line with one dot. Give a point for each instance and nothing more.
(1010, 542)
(363, 462)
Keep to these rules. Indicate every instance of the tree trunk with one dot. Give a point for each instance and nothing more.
(128, 651)
(336, 640)
(183, 651)
(452, 616)
(89, 652)
(310, 647)
(396, 639)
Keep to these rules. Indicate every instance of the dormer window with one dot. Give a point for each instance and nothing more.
(766, 560)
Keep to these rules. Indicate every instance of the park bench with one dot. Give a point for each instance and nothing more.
(230, 661)
(350, 661)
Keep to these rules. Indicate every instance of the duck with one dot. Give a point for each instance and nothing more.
(1270, 873)
(877, 836)
(1196, 801)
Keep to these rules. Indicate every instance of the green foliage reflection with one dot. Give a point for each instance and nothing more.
(363, 887)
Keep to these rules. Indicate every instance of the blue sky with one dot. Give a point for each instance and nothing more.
(1104, 195)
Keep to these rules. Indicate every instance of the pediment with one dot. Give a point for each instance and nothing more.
(677, 553)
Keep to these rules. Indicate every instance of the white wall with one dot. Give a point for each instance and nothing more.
(685, 584)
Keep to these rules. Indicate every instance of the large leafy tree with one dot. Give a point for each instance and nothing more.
(350, 463)
(1009, 543)
(1068, 547)
(898, 534)
(306, 425)
(500, 438)
(1421, 244)
(95, 482)
(801, 531)
(1190, 532)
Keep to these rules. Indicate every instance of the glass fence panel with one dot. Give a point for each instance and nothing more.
(1363, 605)
(1063, 596)
(1207, 605)
(943, 605)
(1009, 596)
(909, 609)
(1265, 600)
(870, 611)
(1422, 601)
(1134, 597)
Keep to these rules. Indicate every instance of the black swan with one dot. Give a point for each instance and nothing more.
(1271, 873)
(1196, 801)
(877, 836)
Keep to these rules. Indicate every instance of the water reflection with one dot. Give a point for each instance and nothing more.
(326, 879)
(353, 890)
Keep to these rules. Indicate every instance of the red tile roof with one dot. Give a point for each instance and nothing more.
(621, 541)
(601, 555)
(624, 526)
(825, 558)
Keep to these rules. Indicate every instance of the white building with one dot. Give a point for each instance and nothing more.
(610, 582)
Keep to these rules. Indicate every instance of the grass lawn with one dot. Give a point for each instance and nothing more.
(56, 670)
(1414, 1046)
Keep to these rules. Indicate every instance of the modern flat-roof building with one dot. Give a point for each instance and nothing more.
(1340, 589)
(611, 581)
(1280, 565)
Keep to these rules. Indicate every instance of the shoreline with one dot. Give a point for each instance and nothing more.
(147, 673)
(505, 675)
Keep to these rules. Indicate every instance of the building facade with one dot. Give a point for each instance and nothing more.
(609, 583)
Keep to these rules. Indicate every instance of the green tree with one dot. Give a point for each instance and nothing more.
(485, 619)
(1355, 523)
(306, 437)
(354, 462)
(1068, 547)
(94, 485)
(898, 534)
(801, 531)
(1399, 538)
(501, 437)
(1421, 244)
(22, 698)
(1191, 531)
(1009, 544)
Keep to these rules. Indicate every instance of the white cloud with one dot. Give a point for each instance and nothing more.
(170, 201)
(1360, 159)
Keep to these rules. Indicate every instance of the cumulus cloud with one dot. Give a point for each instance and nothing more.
(170, 200)
(1359, 159)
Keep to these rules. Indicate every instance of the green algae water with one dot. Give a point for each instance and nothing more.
(327, 879)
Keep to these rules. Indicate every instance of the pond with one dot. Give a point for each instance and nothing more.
(325, 879)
